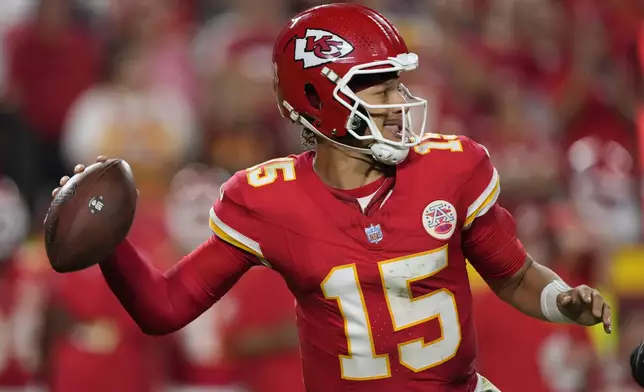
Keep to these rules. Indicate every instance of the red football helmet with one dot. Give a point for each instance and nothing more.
(315, 57)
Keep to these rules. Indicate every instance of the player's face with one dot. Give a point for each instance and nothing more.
(389, 121)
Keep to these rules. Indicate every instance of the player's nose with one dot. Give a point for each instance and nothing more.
(396, 114)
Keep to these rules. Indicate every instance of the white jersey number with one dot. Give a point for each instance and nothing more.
(361, 362)
(436, 141)
(268, 172)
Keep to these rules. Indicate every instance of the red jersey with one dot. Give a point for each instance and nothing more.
(104, 350)
(265, 304)
(21, 309)
(383, 298)
(202, 359)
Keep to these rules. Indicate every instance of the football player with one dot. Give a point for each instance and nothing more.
(370, 229)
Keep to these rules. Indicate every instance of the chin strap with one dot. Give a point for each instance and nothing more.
(389, 155)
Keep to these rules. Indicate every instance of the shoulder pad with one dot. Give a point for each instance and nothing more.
(469, 162)
(244, 198)
(470, 151)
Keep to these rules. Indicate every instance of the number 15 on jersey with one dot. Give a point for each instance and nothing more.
(361, 361)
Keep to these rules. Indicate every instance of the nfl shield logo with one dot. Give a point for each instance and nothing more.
(374, 233)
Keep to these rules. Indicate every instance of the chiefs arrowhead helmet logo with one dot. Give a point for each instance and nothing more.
(320, 47)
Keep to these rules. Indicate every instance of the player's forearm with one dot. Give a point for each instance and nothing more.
(159, 303)
(524, 289)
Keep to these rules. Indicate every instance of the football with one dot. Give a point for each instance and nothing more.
(90, 216)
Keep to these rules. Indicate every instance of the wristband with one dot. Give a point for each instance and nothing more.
(549, 306)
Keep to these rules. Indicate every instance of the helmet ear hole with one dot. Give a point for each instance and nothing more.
(313, 96)
(358, 124)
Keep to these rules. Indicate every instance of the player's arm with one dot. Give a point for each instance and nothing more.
(162, 303)
(165, 302)
(491, 245)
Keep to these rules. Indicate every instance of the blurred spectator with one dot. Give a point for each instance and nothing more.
(192, 191)
(91, 343)
(627, 293)
(632, 333)
(161, 29)
(11, 13)
(153, 128)
(14, 218)
(263, 339)
(597, 109)
(602, 176)
(556, 357)
(233, 56)
(533, 356)
(21, 295)
(50, 62)
(201, 363)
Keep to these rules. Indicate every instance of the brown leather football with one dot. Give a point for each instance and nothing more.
(90, 216)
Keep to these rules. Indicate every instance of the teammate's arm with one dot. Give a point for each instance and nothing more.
(491, 245)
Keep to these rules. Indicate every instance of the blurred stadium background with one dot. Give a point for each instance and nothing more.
(182, 90)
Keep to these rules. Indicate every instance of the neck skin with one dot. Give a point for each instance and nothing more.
(344, 169)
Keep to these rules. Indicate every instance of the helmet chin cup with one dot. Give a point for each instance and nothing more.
(388, 155)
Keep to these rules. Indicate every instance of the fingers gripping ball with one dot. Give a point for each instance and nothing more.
(90, 216)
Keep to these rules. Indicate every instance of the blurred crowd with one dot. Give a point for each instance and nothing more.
(182, 90)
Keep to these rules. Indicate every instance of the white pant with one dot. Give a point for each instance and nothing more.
(484, 385)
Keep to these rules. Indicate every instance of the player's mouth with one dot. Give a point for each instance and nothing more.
(394, 127)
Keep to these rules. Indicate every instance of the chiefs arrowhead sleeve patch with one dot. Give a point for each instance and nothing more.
(483, 188)
(231, 221)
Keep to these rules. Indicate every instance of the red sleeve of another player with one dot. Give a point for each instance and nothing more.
(489, 232)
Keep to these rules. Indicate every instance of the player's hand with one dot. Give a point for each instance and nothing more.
(586, 306)
(77, 170)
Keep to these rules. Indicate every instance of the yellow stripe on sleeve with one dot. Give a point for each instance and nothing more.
(221, 234)
(486, 205)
